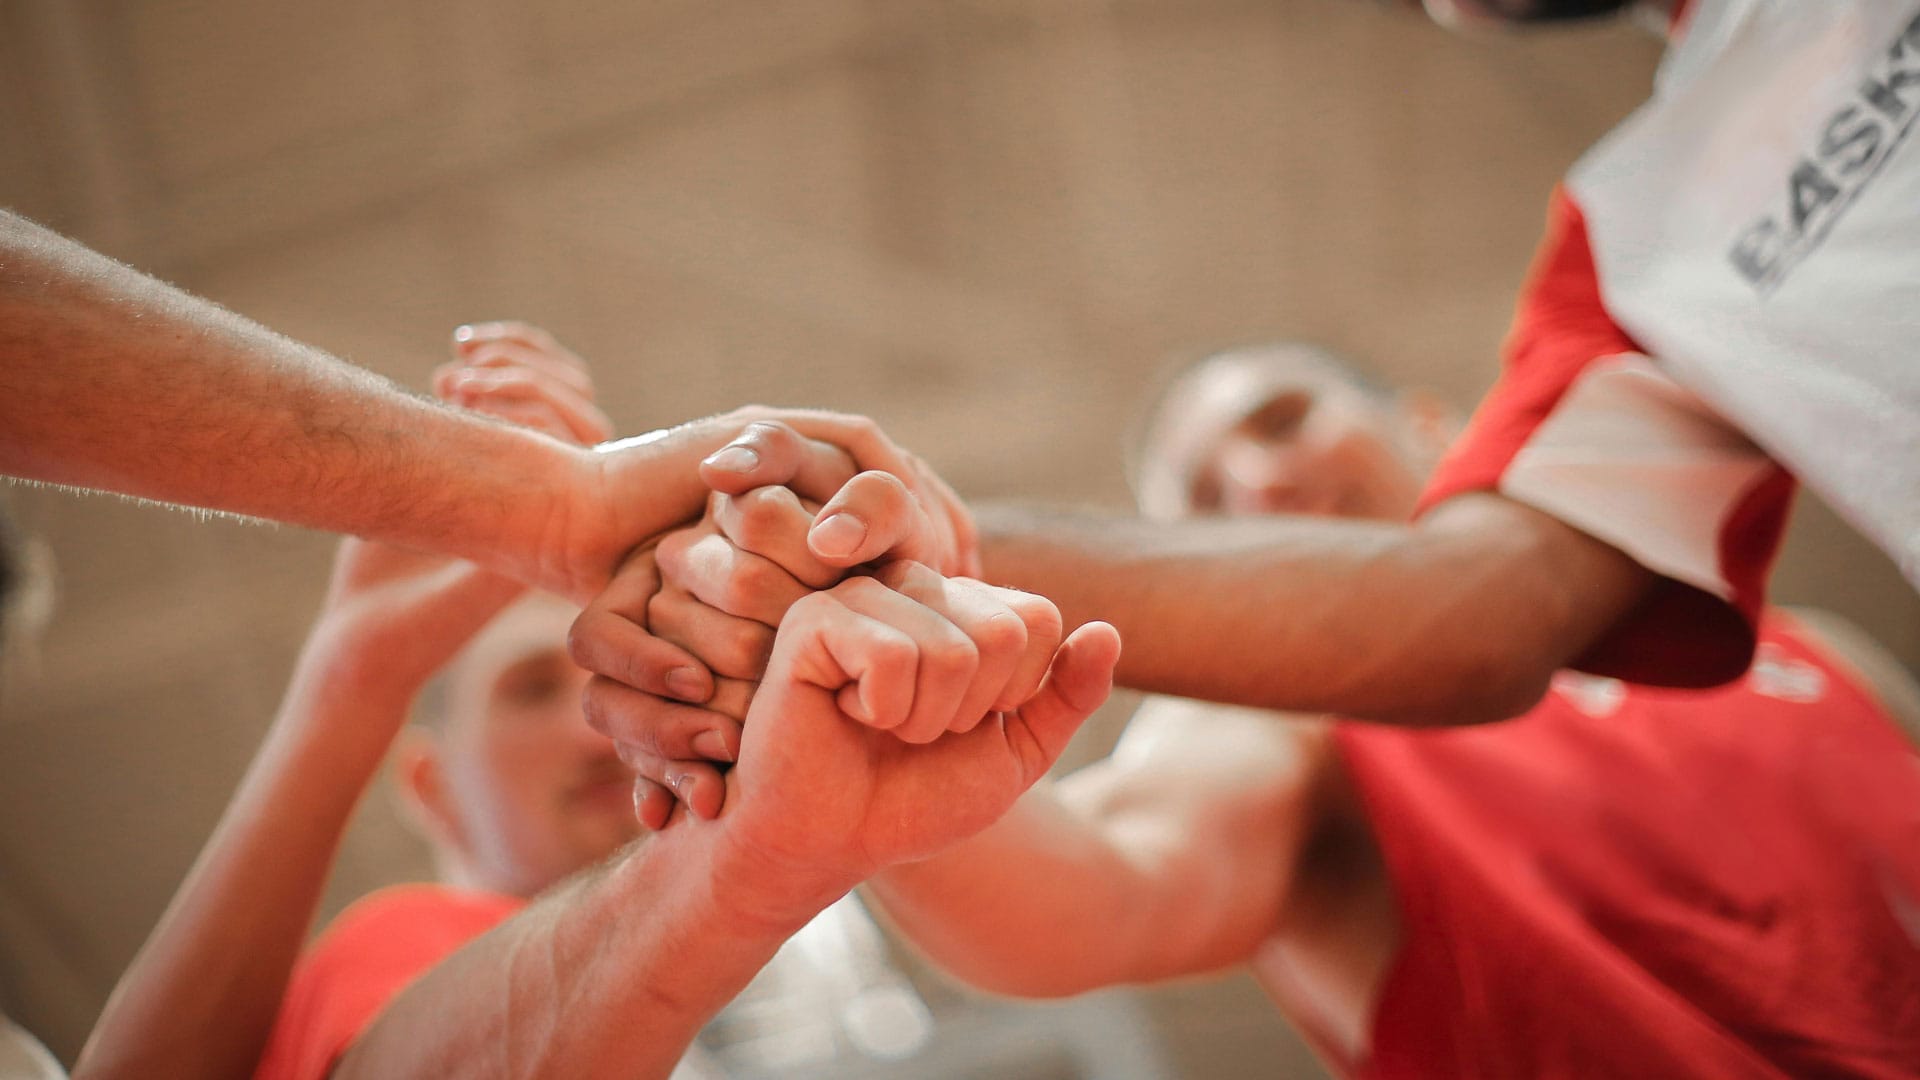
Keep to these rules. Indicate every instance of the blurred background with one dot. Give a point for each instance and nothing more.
(989, 223)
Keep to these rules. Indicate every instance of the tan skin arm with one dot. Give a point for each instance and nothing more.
(1459, 618)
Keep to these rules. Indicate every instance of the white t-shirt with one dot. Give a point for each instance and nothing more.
(1756, 227)
(1730, 283)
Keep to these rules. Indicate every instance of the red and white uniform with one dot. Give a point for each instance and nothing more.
(367, 955)
(1731, 279)
(1635, 882)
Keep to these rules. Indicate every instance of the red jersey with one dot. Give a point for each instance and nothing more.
(1630, 882)
(367, 956)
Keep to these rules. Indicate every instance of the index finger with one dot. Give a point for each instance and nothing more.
(769, 452)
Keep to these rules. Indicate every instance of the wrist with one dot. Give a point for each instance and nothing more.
(756, 890)
(559, 539)
(626, 493)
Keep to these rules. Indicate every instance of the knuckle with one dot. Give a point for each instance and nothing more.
(1003, 632)
(672, 553)
(768, 434)
(897, 655)
(763, 516)
(744, 649)
(744, 587)
(813, 606)
(598, 707)
(584, 639)
(953, 654)
(858, 588)
(894, 575)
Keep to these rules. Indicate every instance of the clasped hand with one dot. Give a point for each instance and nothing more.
(878, 708)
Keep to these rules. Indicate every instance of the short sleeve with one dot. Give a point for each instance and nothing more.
(1584, 426)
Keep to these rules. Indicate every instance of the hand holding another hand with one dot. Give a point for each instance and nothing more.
(847, 765)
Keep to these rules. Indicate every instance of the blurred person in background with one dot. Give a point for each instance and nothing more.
(1626, 881)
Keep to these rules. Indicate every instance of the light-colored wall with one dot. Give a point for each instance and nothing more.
(987, 222)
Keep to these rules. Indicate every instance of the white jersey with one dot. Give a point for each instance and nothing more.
(1755, 228)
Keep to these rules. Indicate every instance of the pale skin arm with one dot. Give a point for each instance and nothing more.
(201, 997)
(619, 969)
(1175, 856)
(1458, 618)
(112, 380)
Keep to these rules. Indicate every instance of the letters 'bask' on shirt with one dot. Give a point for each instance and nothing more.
(1731, 279)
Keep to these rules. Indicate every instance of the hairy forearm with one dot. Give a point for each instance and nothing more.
(612, 974)
(1462, 617)
(201, 997)
(112, 380)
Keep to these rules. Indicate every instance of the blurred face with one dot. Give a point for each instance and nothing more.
(1266, 435)
(530, 793)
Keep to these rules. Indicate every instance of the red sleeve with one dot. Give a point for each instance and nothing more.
(1676, 23)
(1560, 328)
(1583, 426)
(369, 954)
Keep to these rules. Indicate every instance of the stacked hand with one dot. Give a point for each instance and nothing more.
(876, 717)
(900, 714)
(652, 484)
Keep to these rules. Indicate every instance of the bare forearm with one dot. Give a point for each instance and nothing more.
(1460, 618)
(110, 379)
(201, 997)
(1040, 905)
(1176, 855)
(611, 974)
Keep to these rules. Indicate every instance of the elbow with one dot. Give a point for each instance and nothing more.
(1481, 678)
(1502, 688)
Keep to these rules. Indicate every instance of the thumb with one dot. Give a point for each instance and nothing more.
(1076, 685)
(769, 453)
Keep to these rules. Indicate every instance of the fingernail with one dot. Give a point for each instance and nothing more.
(463, 333)
(838, 536)
(711, 745)
(687, 684)
(734, 459)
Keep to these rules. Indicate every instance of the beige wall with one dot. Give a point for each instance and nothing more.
(987, 222)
